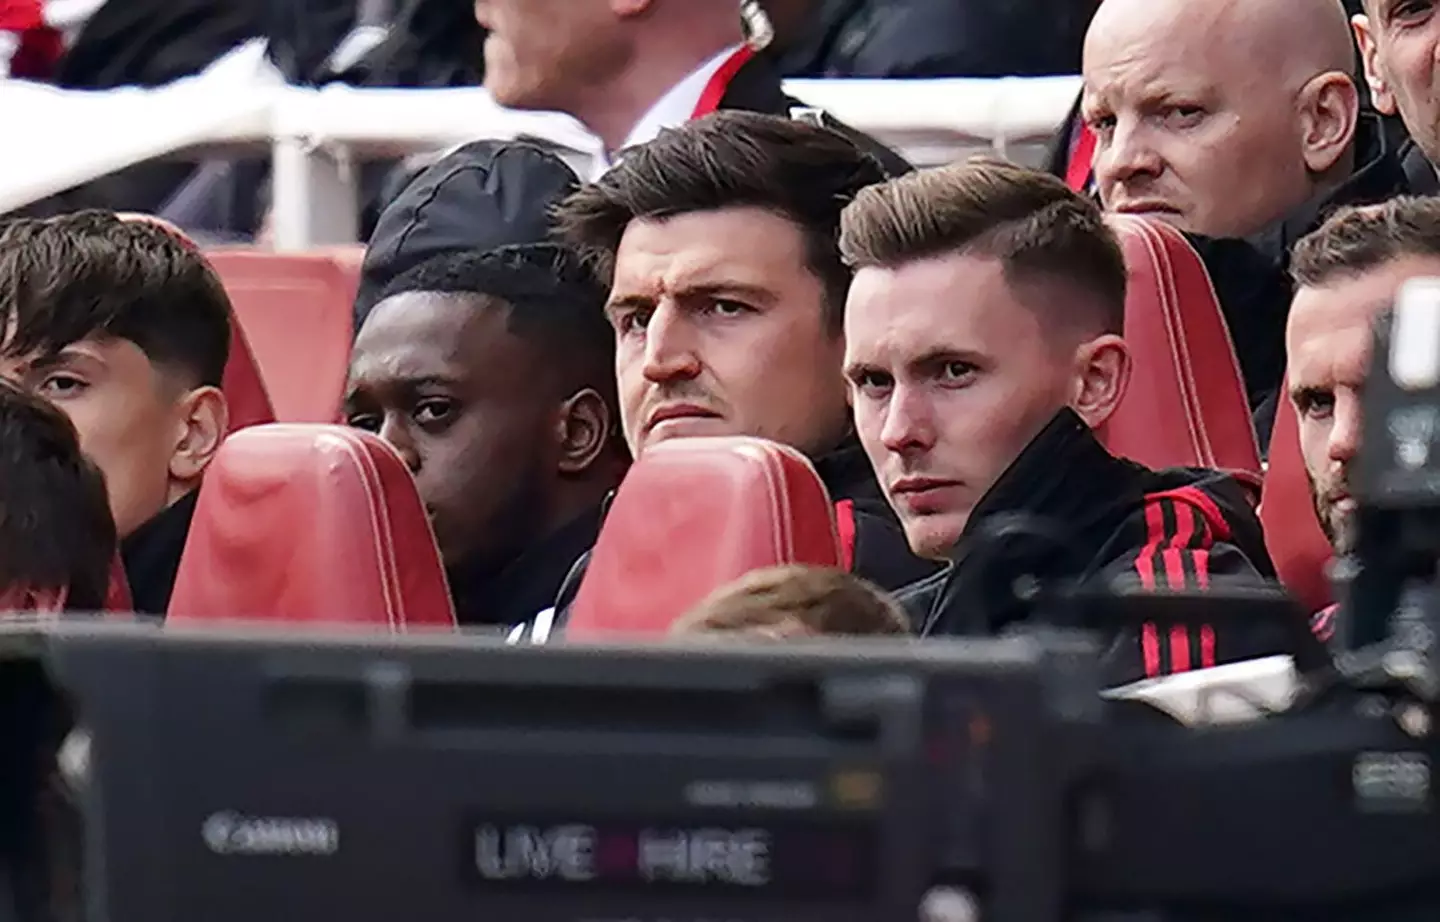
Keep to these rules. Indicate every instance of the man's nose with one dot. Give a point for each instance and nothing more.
(397, 433)
(1127, 155)
(1345, 433)
(669, 346)
(909, 422)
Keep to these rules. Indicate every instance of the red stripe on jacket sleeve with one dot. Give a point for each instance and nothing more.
(845, 528)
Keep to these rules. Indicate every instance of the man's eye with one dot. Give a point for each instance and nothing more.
(434, 411)
(727, 308)
(1100, 123)
(872, 383)
(957, 371)
(370, 422)
(62, 385)
(1410, 10)
(1315, 404)
(631, 321)
(1184, 114)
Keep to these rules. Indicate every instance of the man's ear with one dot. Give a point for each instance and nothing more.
(1380, 95)
(583, 428)
(1329, 114)
(1102, 373)
(201, 425)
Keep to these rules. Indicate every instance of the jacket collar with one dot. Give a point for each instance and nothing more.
(1064, 475)
(1051, 509)
(527, 584)
(151, 555)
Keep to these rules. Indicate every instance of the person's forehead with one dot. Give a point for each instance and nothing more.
(1353, 301)
(1138, 47)
(745, 245)
(953, 301)
(420, 335)
(106, 351)
(1328, 336)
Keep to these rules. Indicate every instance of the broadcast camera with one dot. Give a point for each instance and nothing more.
(241, 776)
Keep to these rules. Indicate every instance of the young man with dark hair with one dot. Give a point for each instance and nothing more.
(491, 374)
(126, 328)
(57, 540)
(977, 412)
(717, 242)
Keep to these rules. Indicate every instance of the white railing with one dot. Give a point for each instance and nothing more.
(58, 139)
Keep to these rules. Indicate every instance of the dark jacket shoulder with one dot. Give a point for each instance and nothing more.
(151, 555)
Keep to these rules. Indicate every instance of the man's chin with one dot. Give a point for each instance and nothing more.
(689, 427)
(934, 537)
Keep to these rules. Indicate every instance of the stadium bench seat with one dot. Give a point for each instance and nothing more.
(1186, 404)
(296, 313)
(1292, 533)
(311, 523)
(692, 516)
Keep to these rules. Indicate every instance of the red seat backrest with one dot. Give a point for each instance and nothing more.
(296, 311)
(1292, 532)
(245, 393)
(1186, 405)
(310, 523)
(693, 515)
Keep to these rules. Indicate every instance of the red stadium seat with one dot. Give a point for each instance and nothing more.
(1292, 533)
(1186, 405)
(691, 516)
(296, 311)
(245, 393)
(316, 524)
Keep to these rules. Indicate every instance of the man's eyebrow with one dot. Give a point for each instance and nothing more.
(628, 302)
(721, 289)
(939, 355)
(54, 357)
(1308, 392)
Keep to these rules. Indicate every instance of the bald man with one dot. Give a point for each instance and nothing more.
(1219, 117)
(1239, 122)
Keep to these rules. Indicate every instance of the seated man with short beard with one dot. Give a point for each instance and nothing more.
(1346, 273)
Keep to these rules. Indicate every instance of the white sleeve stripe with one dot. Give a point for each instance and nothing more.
(543, 624)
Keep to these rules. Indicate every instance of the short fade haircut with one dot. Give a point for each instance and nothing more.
(1035, 225)
(1356, 239)
(732, 159)
(55, 526)
(553, 303)
(95, 275)
(782, 603)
